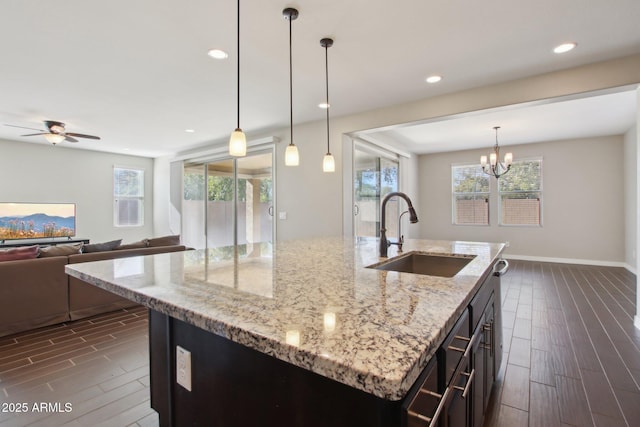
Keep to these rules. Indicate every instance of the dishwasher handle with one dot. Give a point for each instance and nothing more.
(502, 271)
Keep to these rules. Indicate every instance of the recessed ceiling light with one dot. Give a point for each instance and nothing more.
(323, 105)
(189, 130)
(564, 47)
(218, 54)
(433, 79)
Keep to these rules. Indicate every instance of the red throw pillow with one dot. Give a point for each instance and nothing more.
(23, 252)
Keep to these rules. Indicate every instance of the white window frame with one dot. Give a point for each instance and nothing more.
(486, 194)
(139, 197)
(541, 191)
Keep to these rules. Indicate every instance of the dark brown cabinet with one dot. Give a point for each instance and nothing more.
(461, 377)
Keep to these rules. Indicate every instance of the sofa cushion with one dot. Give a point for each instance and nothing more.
(135, 245)
(23, 252)
(165, 241)
(101, 247)
(60, 250)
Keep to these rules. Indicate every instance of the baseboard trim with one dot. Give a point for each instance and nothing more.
(570, 261)
(636, 321)
(630, 268)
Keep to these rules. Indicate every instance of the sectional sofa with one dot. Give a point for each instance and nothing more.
(36, 292)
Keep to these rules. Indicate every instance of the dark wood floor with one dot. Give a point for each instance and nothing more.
(100, 366)
(572, 358)
(572, 353)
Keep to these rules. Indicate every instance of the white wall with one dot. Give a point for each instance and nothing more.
(317, 202)
(44, 173)
(630, 197)
(582, 202)
(637, 213)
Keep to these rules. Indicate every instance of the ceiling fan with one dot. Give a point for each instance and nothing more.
(56, 133)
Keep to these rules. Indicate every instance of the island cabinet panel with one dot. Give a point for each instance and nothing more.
(454, 389)
(233, 385)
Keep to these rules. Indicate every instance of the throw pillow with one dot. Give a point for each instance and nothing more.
(135, 245)
(165, 241)
(101, 247)
(23, 252)
(60, 250)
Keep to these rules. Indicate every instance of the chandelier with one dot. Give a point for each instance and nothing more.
(495, 167)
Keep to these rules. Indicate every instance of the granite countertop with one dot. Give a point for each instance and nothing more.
(312, 303)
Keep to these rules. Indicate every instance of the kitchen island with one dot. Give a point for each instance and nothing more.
(301, 333)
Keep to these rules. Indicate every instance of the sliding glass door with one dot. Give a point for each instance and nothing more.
(228, 201)
(375, 175)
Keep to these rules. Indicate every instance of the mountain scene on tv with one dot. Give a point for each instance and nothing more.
(36, 225)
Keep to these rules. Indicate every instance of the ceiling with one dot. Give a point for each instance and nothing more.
(137, 73)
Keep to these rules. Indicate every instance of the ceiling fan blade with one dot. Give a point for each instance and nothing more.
(34, 134)
(22, 127)
(70, 139)
(81, 135)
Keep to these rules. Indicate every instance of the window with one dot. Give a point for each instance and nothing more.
(128, 197)
(521, 193)
(470, 187)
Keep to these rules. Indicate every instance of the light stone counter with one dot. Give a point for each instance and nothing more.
(311, 303)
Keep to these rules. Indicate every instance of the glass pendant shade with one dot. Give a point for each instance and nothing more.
(328, 163)
(291, 157)
(238, 143)
(54, 138)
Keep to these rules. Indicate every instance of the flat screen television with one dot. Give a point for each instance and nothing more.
(37, 220)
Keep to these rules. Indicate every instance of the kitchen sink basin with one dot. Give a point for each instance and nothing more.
(425, 263)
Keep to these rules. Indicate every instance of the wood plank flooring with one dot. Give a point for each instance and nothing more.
(92, 372)
(572, 358)
(572, 353)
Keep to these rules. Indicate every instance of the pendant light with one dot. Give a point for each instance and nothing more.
(291, 157)
(495, 167)
(238, 140)
(328, 163)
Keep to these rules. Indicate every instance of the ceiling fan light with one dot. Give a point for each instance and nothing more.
(291, 157)
(328, 163)
(54, 138)
(238, 143)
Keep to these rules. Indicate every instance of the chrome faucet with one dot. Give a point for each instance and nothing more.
(413, 218)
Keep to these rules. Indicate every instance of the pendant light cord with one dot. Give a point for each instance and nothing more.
(238, 59)
(326, 64)
(290, 82)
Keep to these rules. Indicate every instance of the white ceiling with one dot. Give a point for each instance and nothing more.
(136, 73)
(597, 115)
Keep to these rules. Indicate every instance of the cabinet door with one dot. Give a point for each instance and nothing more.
(490, 349)
(480, 359)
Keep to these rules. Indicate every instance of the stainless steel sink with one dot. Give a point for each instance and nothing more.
(425, 263)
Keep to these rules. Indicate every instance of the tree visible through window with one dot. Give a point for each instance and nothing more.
(521, 193)
(128, 197)
(220, 188)
(470, 187)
